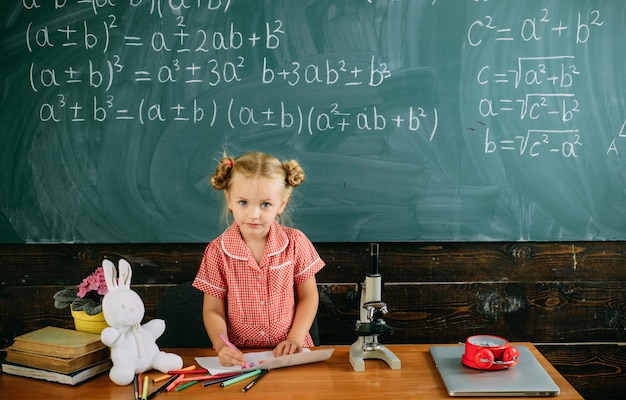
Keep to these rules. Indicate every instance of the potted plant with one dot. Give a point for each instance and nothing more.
(85, 301)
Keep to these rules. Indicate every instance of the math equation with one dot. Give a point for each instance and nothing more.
(520, 78)
(199, 63)
(526, 103)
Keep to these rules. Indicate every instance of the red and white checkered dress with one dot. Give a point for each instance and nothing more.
(260, 298)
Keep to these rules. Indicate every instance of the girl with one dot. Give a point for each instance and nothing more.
(248, 273)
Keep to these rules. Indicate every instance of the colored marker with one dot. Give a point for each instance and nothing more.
(258, 378)
(215, 381)
(186, 385)
(139, 385)
(240, 378)
(136, 387)
(232, 346)
(209, 377)
(174, 383)
(146, 381)
(189, 371)
(162, 387)
(169, 375)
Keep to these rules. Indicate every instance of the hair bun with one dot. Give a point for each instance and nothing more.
(295, 173)
(219, 180)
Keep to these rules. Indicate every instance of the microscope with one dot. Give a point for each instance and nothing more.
(371, 324)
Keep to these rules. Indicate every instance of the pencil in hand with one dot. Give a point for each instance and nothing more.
(232, 346)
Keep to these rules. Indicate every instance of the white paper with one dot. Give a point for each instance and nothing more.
(266, 360)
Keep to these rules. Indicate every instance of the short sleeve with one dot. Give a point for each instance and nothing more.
(308, 261)
(210, 278)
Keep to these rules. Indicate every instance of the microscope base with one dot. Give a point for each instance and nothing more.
(358, 355)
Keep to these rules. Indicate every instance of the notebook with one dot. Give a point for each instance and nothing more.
(527, 378)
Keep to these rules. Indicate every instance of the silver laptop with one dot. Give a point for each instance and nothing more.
(527, 378)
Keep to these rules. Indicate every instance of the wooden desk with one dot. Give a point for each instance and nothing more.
(332, 379)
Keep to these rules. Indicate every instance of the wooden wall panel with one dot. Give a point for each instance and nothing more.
(595, 370)
(571, 296)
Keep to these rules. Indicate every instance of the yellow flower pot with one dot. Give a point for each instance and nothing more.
(89, 323)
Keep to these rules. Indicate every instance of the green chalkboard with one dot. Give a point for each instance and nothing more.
(434, 120)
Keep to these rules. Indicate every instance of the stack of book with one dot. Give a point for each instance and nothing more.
(58, 355)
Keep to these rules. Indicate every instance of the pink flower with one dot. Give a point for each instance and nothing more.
(94, 282)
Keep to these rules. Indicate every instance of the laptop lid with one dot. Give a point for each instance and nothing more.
(527, 378)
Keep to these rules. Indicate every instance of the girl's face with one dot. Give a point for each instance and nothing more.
(255, 202)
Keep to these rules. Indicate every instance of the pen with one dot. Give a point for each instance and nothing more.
(209, 377)
(161, 378)
(139, 385)
(232, 346)
(188, 371)
(216, 381)
(170, 373)
(240, 378)
(146, 381)
(136, 386)
(174, 383)
(162, 387)
(186, 385)
(258, 378)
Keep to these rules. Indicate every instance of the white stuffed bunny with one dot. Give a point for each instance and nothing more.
(133, 346)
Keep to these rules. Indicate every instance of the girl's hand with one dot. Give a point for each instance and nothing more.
(229, 357)
(287, 347)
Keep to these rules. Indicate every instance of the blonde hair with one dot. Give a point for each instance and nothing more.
(256, 164)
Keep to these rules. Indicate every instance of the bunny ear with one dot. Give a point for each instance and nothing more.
(109, 274)
(125, 274)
